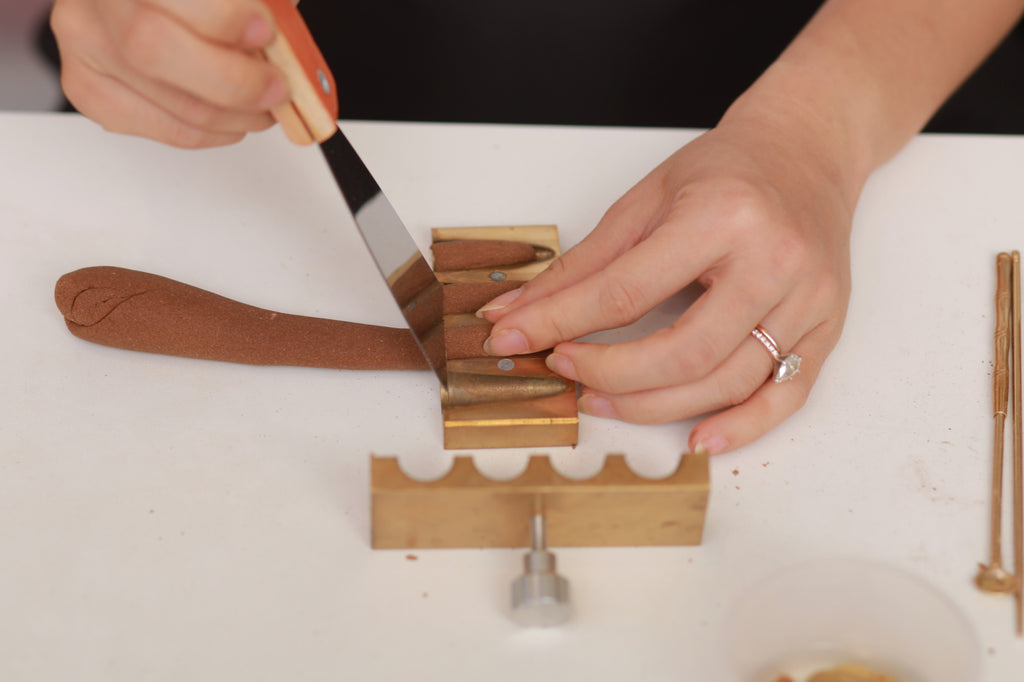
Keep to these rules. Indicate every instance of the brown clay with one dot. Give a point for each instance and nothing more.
(144, 312)
(411, 282)
(469, 298)
(480, 253)
(465, 337)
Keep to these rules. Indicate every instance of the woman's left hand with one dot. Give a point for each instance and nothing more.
(762, 223)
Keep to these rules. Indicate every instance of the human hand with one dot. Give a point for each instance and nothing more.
(183, 72)
(762, 222)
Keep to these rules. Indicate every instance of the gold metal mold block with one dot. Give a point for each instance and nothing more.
(530, 405)
(466, 509)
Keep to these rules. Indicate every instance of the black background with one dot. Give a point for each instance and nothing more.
(602, 62)
(588, 62)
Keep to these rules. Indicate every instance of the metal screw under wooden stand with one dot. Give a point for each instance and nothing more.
(540, 597)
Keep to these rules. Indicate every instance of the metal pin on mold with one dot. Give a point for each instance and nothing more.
(540, 597)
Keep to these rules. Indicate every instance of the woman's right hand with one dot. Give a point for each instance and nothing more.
(184, 72)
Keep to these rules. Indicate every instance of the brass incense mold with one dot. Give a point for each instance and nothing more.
(493, 402)
(466, 509)
(538, 509)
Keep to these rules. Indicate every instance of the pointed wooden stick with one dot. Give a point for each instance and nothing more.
(992, 577)
(1018, 465)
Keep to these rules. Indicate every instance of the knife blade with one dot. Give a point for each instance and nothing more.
(311, 116)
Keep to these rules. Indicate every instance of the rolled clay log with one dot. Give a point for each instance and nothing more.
(144, 312)
(469, 298)
(464, 336)
(467, 254)
(411, 280)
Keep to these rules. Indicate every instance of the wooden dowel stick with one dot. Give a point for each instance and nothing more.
(1000, 384)
(1018, 465)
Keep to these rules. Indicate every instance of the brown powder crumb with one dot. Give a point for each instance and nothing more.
(411, 557)
(851, 673)
(735, 472)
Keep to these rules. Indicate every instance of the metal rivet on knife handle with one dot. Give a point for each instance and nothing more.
(325, 84)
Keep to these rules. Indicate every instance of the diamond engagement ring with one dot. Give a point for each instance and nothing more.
(786, 365)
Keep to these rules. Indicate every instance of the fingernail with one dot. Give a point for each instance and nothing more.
(258, 33)
(597, 406)
(712, 445)
(500, 302)
(561, 365)
(275, 95)
(506, 342)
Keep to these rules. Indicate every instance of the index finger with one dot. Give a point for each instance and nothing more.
(242, 23)
(614, 296)
(619, 230)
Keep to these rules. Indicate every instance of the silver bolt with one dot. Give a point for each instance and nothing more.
(540, 597)
(325, 84)
(498, 276)
(506, 364)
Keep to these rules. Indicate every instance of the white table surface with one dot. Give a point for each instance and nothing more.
(172, 519)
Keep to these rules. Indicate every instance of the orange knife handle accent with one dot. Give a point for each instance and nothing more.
(312, 113)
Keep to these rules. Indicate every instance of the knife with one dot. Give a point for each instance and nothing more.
(311, 117)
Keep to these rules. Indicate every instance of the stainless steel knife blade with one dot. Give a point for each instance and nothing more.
(410, 278)
(311, 116)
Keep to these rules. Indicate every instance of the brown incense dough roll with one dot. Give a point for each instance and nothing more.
(411, 280)
(469, 298)
(139, 311)
(466, 254)
(464, 337)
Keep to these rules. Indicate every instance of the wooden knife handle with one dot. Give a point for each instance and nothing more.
(312, 113)
(1000, 377)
